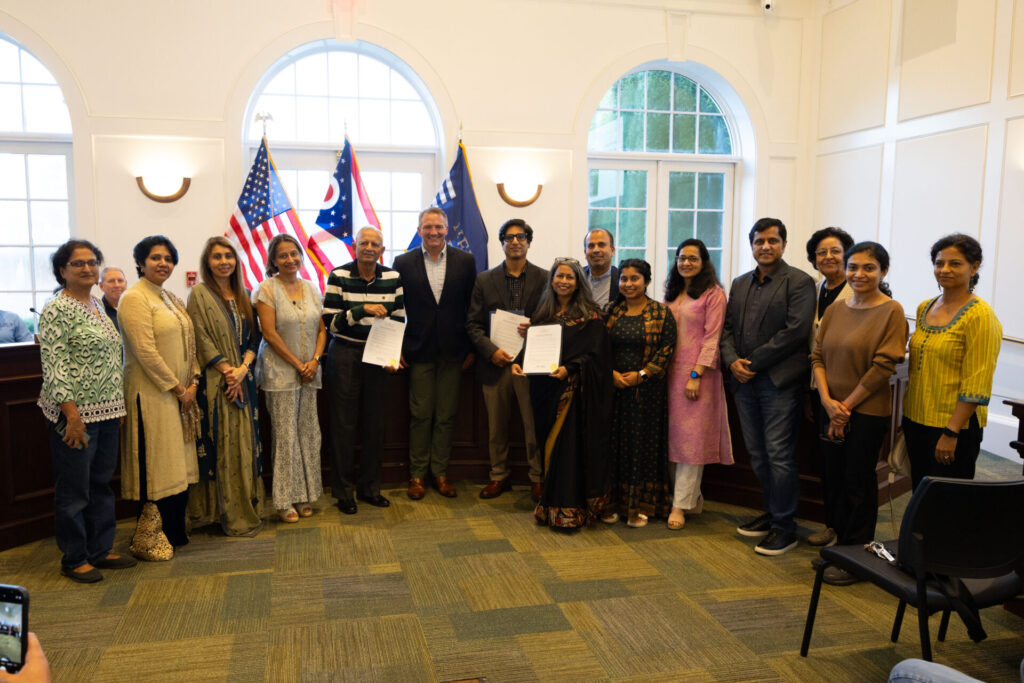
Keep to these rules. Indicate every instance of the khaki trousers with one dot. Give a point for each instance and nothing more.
(498, 398)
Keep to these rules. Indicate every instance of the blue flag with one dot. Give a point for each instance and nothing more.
(466, 229)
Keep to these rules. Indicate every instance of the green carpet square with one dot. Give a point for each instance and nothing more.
(512, 621)
(461, 548)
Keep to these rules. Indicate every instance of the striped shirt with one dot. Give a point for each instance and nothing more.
(347, 295)
(952, 363)
(436, 271)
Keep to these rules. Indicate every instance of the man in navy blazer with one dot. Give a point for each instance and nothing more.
(437, 281)
(764, 345)
(599, 249)
(514, 286)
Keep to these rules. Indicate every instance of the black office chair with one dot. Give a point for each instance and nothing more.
(959, 546)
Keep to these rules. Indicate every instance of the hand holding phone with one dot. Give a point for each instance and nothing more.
(13, 628)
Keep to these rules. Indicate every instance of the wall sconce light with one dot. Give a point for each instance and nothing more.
(520, 190)
(163, 185)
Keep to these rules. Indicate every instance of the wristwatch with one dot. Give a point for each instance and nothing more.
(643, 376)
(950, 433)
(694, 375)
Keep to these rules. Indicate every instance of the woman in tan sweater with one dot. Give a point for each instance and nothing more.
(859, 343)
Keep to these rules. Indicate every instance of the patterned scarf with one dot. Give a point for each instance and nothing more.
(190, 420)
(654, 356)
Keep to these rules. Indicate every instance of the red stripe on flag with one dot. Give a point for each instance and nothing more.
(239, 235)
(371, 215)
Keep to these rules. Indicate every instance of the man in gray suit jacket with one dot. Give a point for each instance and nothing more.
(764, 344)
(515, 286)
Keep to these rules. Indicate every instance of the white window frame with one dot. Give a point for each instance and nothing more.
(658, 167)
(373, 159)
(425, 159)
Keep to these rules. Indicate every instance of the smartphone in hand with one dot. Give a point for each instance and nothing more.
(13, 627)
(239, 402)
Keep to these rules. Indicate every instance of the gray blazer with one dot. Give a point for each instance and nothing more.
(489, 294)
(783, 329)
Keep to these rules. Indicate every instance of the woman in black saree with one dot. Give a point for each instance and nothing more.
(572, 407)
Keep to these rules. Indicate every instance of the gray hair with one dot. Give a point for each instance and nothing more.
(432, 209)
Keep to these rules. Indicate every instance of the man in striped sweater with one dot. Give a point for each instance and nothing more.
(357, 294)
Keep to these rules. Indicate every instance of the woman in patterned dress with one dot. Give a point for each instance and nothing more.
(230, 490)
(698, 432)
(288, 371)
(953, 355)
(158, 442)
(83, 401)
(572, 405)
(643, 337)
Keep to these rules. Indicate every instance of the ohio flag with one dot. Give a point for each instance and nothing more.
(345, 210)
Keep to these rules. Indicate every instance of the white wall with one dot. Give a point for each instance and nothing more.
(920, 135)
(522, 78)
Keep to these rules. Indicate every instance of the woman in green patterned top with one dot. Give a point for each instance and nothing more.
(83, 401)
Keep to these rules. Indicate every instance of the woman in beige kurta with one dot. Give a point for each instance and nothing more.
(158, 451)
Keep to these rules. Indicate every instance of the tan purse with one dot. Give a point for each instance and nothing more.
(149, 542)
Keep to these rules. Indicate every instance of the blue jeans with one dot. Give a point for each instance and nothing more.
(83, 500)
(770, 420)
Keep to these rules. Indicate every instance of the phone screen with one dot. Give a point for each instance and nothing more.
(13, 627)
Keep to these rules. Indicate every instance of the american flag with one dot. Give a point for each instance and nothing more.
(262, 212)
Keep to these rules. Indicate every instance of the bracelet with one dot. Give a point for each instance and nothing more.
(181, 395)
(946, 431)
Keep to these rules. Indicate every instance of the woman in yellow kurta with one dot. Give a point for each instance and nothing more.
(158, 442)
(953, 355)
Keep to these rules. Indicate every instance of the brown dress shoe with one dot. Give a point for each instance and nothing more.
(416, 489)
(535, 490)
(495, 488)
(444, 487)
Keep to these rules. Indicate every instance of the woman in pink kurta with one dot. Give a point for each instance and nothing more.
(698, 426)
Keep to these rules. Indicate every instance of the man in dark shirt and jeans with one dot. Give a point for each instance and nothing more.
(357, 294)
(764, 344)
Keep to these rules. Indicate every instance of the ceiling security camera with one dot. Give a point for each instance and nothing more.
(767, 6)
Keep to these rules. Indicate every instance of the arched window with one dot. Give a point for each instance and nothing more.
(319, 92)
(661, 161)
(35, 178)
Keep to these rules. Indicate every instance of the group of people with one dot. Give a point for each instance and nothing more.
(621, 429)
(857, 335)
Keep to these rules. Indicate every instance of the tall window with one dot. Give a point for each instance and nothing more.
(35, 178)
(661, 168)
(321, 91)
